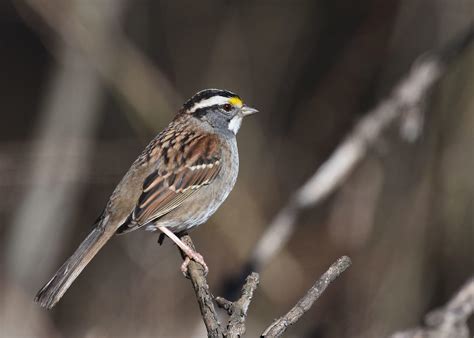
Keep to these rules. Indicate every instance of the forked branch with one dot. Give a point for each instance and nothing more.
(237, 310)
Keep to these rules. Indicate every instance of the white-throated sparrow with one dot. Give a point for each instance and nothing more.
(177, 183)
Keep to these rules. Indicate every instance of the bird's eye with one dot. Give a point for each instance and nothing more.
(227, 107)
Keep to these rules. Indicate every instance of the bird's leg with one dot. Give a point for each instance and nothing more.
(190, 253)
(161, 238)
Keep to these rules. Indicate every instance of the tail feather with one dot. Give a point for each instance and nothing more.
(52, 292)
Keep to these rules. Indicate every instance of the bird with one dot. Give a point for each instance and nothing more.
(181, 178)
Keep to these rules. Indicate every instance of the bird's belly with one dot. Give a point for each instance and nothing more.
(194, 211)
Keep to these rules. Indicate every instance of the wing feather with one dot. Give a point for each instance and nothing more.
(165, 190)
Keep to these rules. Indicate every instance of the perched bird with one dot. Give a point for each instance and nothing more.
(177, 183)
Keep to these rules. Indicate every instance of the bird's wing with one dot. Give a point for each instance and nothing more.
(183, 172)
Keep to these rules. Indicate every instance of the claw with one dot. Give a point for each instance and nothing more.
(190, 253)
(197, 257)
(184, 267)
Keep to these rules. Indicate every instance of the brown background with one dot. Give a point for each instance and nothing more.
(76, 109)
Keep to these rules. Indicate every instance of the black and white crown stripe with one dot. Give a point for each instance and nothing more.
(212, 101)
(208, 98)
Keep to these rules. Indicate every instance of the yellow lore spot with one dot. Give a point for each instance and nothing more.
(235, 101)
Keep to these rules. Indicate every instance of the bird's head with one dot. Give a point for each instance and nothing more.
(221, 109)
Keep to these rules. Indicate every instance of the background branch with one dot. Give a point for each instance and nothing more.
(449, 321)
(405, 102)
(132, 76)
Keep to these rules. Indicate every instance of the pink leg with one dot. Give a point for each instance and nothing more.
(190, 253)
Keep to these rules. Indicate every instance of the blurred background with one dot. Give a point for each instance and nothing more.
(85, 84)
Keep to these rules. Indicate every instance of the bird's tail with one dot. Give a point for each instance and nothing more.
(52, 292)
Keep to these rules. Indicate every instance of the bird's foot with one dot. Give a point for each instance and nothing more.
(190, 253)
(195, 256)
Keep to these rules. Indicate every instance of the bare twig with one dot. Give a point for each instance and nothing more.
(279, 326)
(238, 310)
(448, 322)
(203, 294)
(406, 100)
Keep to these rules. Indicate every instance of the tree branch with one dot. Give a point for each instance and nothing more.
(237, 310)
(405, 104)
(114, 57)
(448, 322)
(278, 327)
(203, 294)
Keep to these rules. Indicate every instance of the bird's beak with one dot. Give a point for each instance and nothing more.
(246, 110)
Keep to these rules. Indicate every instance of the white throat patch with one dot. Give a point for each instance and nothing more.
(209, 102)
(234, 124)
